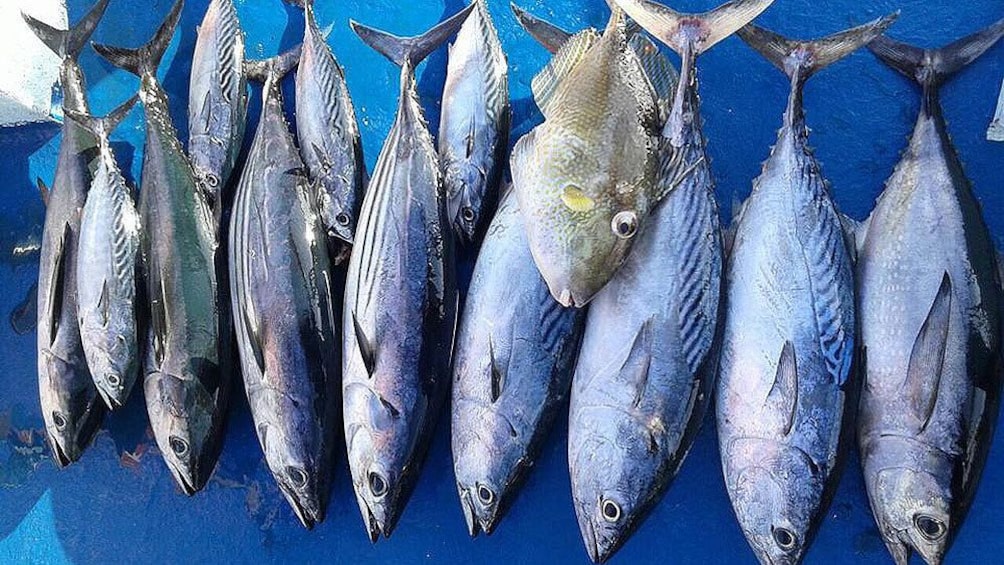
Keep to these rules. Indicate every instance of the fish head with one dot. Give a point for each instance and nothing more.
(466, 200)
(181, 414)
(487, 469)
(913, 509)
(376, 450)
(777, 500)
(114, 374)
(338, 213)
(302, 478)
(71, 408)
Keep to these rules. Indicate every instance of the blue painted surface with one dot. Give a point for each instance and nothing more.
(119, 502)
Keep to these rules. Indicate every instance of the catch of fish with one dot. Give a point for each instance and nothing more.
(604, 280)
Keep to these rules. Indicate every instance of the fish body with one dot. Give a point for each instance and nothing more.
(106, 271)
(930, 310)
(71, 407)
(515, 352)
(328, 133)
(186, 360)
(474, 124)
(283, 309)
(399, 313)
(788, 341)
(217, 101)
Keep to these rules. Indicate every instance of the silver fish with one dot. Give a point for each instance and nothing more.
(328, 134)
(399, 313)
(930, 311)
(513, 365)
(474, 124)
(106, 272)
(186, 361)
(217, 100)
(71, 407)
(789, 330)
(283, 307)
(585, 178)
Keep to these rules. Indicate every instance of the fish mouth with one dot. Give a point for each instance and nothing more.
(373, 526)
(58, 455)
(475, 523)
(309, 514)
(112, 402)
(898, 548)
(182, 479)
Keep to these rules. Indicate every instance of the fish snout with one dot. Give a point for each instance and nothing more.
(481, 506)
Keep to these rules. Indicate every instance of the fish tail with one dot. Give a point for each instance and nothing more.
(411, 50)
(277, 67)
(145, 59)
(802, 59)
(932, 67)
(70, 42)
(550, 36)
(693, 33)
(102, 127)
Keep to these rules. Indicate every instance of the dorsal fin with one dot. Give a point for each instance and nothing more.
(366, 349)
(550, 36)
(923, 374)
(497, 372)
(661, 73)
(782, 400)
(43, 190)
(571, 54)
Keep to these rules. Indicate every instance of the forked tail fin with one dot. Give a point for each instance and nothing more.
(69, 42)
(102, 127)
(411, 50)
(145, 59)
(278, 66)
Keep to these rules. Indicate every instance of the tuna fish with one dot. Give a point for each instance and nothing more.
(106, 272)
(282, 300)
(187, 350)
(515, 352)
(71, 407)
(217, 101)
(930, 310)
(784, 396)
(474, 125)
(329, 135)
(400, 306)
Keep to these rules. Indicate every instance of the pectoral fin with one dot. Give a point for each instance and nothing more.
(43, 190)
(923, 375)
(366, 349)
(782, 400)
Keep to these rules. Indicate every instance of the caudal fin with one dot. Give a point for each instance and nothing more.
(932, 67)
(145, 59)
(103, 127)
(695, 33)
(550, 36)
(411, 50)
(805, 58)
(277, 67)
(69, 42)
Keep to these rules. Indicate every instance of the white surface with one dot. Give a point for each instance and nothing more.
(28, 69)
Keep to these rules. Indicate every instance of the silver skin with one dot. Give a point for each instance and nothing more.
(282, 289)
(217, 100)
(788, 340)
(186, 360)
(515, 352)
(106, 272)
(71, 407)
(927, 262)
(328, 134)
(400, 305)
(474, 125)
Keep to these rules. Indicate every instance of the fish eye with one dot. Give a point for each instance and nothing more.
(931, 528)
(297, 476)
(625, 224)
(342, 218)
(59, 420)
(784, 538)
(610, 510)
(485, 495)
(178, 445)
(467, 213)
(212, 180)
(113, 379)
(378, 486)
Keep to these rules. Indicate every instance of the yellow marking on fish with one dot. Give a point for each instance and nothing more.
(576, 200)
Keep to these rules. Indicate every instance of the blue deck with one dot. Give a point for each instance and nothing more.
(119, 504)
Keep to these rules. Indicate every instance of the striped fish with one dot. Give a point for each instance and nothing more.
(789, 329)
(400, 305)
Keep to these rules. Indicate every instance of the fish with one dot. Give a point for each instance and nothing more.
(515, 351)
(400, 307)
(786, 384)
(217, 102)
(283, 304)
(585, 178)
(186, 360)
(474, 125)
(929, 304)
(329, 135)
(108, 249)
(71, 407)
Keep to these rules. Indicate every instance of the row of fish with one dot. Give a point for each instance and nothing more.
(604, 276)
